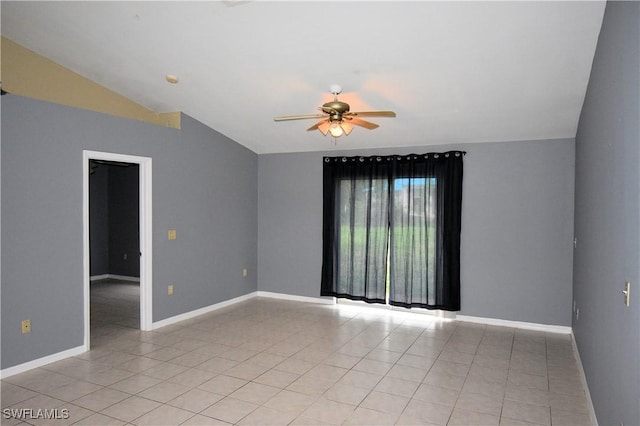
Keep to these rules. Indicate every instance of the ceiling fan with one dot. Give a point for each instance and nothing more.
(336, 117)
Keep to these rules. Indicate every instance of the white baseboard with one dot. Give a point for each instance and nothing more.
(516, 324)
(21, 368)
(447, 315)
(191, 314)
(583, 379)
(99, 277)
(114, 277)
(306, 299)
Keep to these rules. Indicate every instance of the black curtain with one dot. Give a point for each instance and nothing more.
(355, 228)
(406, 209)
(425, 224)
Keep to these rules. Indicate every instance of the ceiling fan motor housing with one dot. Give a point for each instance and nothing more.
(335, 109)
(337, 106)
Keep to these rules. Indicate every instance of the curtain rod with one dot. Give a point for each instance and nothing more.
(327, 158)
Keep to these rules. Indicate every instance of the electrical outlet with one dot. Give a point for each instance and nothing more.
(170, 290)
(172, 234)
(124, 256)
(26, 326)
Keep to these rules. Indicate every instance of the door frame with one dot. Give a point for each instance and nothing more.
(146, 254)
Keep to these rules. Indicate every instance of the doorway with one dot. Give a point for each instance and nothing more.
(91, 160)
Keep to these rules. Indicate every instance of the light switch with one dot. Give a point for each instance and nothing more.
(170, 290)
(26, 326)
(172, 234)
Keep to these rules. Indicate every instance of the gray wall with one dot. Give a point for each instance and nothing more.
(607, 220)
(204, 186)
(124, 220)
(99, 221)
(517, 227)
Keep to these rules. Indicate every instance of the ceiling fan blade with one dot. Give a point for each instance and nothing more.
(315, 126)
(372, 114)
(298, 117)
(362, 123)
(346, 127)
(322, 125)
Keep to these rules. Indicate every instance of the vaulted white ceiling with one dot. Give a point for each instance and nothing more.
(453, 71)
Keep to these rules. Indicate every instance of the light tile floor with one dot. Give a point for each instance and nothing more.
(274, 362)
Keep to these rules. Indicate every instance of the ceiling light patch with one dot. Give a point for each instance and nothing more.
(173, 79)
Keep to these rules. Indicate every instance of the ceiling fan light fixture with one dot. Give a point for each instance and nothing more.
(346, 127)
(324, 128)
(339, 128)
(335, 129)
